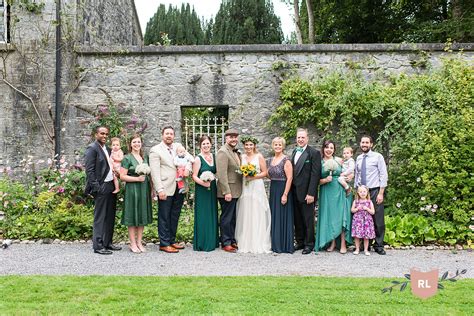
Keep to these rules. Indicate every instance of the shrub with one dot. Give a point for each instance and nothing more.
(422, 124)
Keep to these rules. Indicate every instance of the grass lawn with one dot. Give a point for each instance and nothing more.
(223, 295)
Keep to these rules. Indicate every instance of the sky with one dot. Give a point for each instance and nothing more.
(207, 8)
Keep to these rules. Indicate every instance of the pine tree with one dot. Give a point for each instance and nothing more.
(246, 22)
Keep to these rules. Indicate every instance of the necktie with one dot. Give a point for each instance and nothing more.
(363, 171)
(171, 152)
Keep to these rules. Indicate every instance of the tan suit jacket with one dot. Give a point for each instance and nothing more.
(228, 180)
(163, 170)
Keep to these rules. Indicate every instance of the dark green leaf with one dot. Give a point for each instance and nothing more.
(407, 276)
(404, 285)
(464, 271)
(385, 290)
(452, 280)
(395, 282)
(440, 286)
(445, 275)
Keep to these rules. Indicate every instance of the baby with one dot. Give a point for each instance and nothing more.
(348, 168)
(116, 158)
(182, 161)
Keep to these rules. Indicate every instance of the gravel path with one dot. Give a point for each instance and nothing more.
(78, 259)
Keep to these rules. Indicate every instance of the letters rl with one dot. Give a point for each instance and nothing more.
(424, 284)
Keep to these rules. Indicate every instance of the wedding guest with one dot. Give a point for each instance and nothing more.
(206, 236)
(334, 213)
(362, 221)
(116, 158)
(170, 200)
(137, 211)
(229, 188)
(371, 171)
(280, 172)
(252, 229)
(348, 168)
(306, 172)
(99, 184)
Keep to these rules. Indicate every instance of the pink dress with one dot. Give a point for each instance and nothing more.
(362, 221)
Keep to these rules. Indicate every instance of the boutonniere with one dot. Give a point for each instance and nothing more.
(306, 161)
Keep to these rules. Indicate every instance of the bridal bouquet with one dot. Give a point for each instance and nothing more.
(207, 176)
(143, 169)
(330, 165)
(248, 170)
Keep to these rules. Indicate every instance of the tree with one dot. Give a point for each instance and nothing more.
(384, 21)
(182, 26)
(246, 22)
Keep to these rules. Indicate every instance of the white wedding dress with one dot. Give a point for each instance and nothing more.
(252, 229)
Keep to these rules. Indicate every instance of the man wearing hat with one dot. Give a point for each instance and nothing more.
(229, 188)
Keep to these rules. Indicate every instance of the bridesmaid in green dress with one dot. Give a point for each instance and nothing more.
(137, 211)
(206, 237)
(334, 214)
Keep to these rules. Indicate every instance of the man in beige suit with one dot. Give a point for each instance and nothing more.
(170, 201)
(229, 188)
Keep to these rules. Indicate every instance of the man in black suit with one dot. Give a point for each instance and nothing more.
(100, 185)
(306, 173)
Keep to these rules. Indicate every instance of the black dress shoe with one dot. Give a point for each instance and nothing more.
(380, 251)
(103, 251)
(113, 248)
(306, 251)
(299, 247)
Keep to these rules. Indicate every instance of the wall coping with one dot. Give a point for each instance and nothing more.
(266, 48)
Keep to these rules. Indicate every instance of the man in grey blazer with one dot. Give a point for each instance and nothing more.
(170, 201)
(229, 188)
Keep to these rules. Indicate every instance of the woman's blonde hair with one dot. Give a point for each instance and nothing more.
(279, 139)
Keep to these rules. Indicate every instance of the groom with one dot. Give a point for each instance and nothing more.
(306, 173)
(229, 188)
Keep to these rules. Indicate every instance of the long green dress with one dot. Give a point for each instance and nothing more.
(334, 212)
(206, 236)
(137, 210)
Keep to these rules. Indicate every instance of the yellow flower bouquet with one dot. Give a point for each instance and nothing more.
(248, 170)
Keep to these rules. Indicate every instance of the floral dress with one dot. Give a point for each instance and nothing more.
(362, 221)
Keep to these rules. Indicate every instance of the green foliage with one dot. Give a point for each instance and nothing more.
(120, 120)
(246, 22)
(421, 123)
(174, 26)
(379, 21)
(31, 6)
(412, 229)
(57, 210)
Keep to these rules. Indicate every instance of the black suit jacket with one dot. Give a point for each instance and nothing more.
(97, 168)
(306, 173)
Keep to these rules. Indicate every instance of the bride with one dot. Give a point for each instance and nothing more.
(253, 224)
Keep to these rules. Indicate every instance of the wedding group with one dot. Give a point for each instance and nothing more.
(347, 194)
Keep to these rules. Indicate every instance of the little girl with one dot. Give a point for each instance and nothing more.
(362, 221)
(116, 158)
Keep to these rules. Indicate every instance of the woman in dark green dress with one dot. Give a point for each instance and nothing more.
(206, 236)
(334, 212)
(137, 211)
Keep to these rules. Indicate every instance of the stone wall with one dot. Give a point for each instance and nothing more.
(28, 63)
(159, 81)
